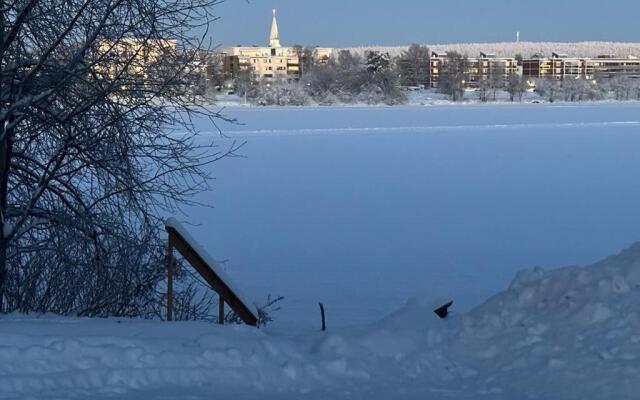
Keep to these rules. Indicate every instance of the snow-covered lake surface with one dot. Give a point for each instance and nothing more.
(362, 208)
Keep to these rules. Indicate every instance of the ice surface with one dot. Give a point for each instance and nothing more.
(362, 207)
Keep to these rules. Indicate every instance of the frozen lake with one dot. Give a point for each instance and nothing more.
(362, 208)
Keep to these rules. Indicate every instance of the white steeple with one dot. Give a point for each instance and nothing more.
(274, 37)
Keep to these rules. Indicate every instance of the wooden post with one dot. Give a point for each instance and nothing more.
(170, 271)
(322, 316)
(220, 310)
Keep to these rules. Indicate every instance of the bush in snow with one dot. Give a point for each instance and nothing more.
(280, 93)
(549, 88)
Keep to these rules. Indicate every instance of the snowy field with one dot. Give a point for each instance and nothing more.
(375, 212)
(361, 208)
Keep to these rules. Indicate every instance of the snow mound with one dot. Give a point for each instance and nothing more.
(570, 333)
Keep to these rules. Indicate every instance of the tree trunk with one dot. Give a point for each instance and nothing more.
(4, 170)
(5, 152)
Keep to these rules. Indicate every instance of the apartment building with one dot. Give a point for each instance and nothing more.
(561, 67)
(270, 62)
(558, 67)
(485, 67)
(611, 66)
(137, 57)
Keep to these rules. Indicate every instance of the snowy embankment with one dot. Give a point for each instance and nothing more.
(572, 333)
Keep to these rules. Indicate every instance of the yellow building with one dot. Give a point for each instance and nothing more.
(270, 62)
(133, 56)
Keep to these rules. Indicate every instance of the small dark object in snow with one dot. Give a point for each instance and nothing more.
(443, 310)
(322, 317)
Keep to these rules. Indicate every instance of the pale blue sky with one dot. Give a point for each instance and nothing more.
(340, 23)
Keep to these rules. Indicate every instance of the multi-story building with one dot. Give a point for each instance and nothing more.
(611, 66)
(561, 67)
(558, 67)
(136, 57)
(437, 62)
(486, 67)
(270, 62)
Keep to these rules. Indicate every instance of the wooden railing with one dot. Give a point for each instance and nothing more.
(209, 270)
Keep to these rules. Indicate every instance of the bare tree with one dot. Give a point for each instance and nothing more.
(341, 79)
(307, 58)
(245, 83)
(497, 82)
(320, 84)
(413, 66)
(350, 69)
(98, 143)
(484, 85)
(548, 88)
(454, 75)
(214, 74)
(516, 86)
(621, 87)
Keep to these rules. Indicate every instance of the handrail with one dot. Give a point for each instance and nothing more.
(180, 240)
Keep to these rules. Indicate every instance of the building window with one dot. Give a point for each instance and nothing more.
(273, 52)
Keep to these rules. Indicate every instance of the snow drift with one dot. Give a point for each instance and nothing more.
(571, 333)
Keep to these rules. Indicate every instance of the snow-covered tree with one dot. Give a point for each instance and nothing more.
(549, 88)
(484, 86)
(245, 83)
(496, 78)
(381, 83)
(280, 93)
(516, 86)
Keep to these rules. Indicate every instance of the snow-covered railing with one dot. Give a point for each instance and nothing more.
(210, 271)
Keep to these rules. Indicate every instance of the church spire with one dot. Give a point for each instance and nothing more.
(274, 37)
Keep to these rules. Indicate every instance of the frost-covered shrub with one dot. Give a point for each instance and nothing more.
(281, 94)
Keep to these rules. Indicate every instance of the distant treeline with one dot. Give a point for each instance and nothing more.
(379, 78)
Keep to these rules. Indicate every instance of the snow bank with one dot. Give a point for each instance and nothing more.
(70, 358)
(572, 333)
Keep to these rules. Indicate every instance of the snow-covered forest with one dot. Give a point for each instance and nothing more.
(526, 49)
